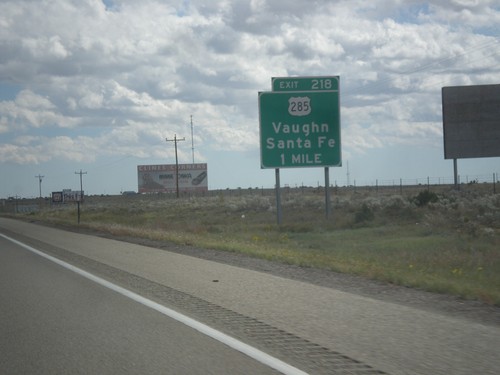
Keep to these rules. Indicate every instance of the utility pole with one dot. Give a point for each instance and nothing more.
(192, 138)
(81, 183)
(348, 175)
(40, 184)
(175, 140)
(79, 201)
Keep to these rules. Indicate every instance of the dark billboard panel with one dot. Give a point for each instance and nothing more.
(471, 121)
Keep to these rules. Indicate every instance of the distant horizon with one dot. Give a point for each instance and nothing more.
(81, 92)
(337, 183)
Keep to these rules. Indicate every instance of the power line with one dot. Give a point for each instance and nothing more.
(379, 83)
(450, 58)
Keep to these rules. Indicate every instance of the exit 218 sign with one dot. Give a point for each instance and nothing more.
(299, 129)
(325, 83)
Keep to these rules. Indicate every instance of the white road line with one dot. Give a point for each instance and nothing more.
(240, 346)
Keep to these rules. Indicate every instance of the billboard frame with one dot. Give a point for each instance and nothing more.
(162, 178)
(471, 122)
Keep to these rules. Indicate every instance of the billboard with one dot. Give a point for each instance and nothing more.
(161, 178)
(471, 121)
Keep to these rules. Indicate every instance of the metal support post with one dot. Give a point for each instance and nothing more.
(327, 193)
(278, 197)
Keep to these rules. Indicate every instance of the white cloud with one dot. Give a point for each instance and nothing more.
(468, 13)
(129, 73)
(30, 110)
(10, 153)
(36, 150)
(28, 99)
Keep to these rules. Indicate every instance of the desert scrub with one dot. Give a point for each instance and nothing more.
(425, 197)
(364, 214)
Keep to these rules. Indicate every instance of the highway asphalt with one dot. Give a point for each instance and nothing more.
(343, 332)
(54, 321)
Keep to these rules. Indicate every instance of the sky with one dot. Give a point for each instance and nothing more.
(97, 86)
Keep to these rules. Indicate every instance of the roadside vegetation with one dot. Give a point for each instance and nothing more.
(445, 241)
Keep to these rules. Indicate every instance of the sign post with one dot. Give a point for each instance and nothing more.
(327, 193)
(278, 196)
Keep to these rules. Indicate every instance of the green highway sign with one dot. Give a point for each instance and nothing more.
(326, 83)
(299, 128)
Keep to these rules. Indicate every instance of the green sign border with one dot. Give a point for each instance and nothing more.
(305, 140)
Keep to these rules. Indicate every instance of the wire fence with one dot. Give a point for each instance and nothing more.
(462, 179)
(481, 183)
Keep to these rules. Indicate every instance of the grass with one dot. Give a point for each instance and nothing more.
(448, 244)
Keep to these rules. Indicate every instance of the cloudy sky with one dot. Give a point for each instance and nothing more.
(97, 86)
